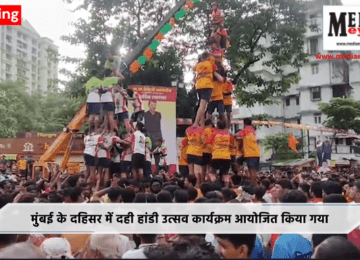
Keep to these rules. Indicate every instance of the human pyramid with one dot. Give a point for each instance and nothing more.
(121, 146)
(206, 151)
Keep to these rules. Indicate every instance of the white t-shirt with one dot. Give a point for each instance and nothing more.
(127, 155)
(106, 97)
(138, 253)
(93, 97)
(147, 155)
(121, 107)
(138, 141)
(107, 141)
(91, 142)
(138, 103)
(117, 157)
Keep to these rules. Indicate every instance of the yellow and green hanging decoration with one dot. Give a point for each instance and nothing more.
(148, 53)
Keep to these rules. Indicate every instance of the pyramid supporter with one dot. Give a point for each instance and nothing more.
(194, 151)
(183, 164)
(221, 141)
(251, 148)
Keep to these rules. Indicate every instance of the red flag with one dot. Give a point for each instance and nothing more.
(293, 143)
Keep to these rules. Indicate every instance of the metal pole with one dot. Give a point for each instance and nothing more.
(144, 42)
(308, 137)
(302, 147)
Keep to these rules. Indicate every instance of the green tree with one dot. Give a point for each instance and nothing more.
(278, 144)
(18, 108)
(22, 112)
(275, 28)
(113, 24)
(58, 109)
(185, 103)
(342, 113)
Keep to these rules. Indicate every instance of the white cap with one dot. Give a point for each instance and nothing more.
(56, 247)
(110, 245)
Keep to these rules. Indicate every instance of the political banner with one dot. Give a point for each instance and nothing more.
(159, 104)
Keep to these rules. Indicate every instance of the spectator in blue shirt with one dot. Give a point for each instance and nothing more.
(293, 246)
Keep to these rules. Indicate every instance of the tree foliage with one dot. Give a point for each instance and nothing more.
(342, 113)
(278, 144)
(272, 28)
(21, 112)
(275, 28)
(119, 24)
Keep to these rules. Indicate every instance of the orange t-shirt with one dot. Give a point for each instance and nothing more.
(22, 165)
(221, 144)
(217, 93)
(204, 71)
(184, 147)
(239, 148)
(233, 147)
(227, 92)
(250, 145)
(195, 144)
(206, 139)
(218, 54)
(218, 17)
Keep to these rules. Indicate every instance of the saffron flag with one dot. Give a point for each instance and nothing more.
(293, 143)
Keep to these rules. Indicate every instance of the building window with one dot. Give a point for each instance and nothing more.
(288, 102)
(314, 46)
(8, 48)
(8, 76)
(297, 101)
(8, 57)
(313, 19)
(315, 68)
(317, 118)
(316, 93)
(8, 38)
(8, 67)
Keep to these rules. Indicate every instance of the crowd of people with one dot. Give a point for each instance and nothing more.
(270, 187)
(12, 169)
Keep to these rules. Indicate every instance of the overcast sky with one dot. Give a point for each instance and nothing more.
(51, 18)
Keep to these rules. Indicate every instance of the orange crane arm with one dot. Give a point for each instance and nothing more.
(63, 139)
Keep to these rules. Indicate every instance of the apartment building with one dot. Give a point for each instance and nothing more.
(26, 56)
(321, 80)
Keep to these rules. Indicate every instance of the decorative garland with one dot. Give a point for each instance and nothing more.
(188, 121)
(136, 65)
